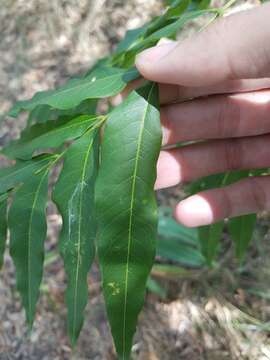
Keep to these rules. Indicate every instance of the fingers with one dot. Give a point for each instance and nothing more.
(175, 93)
(194, 161)
(250, 195)
(215, 117)
(236, 47)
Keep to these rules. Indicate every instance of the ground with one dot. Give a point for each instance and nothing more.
(222, 313)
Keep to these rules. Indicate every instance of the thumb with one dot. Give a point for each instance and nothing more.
(236, 47)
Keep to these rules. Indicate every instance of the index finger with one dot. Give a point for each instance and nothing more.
(236, 47)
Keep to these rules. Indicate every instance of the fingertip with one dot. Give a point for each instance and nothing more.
(168, 171)
(194, 211)
(147, 61)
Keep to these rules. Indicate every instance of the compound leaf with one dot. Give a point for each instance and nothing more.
(51, 134)
(74, 196)
(102, 82)
(28, 229)
(127, 210)
(3, 226)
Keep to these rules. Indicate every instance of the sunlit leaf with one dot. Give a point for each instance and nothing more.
(102, 82)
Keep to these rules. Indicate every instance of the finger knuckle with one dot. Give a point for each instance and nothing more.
(229, 118)
(233, 154)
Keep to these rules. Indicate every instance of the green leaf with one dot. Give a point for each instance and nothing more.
(175, 10)
(48, 135)
(241, 230)
(3, 226)
(170, 24)
(176, 242)
(74, 196)
(135, 37)
(171, 249)
(44, 113)
(127, 210)
(200, 4)
(170, 30)
(130, 38)
(102, 82)
(169, 228)
(28, 228)
(23, 170)
(210, 237)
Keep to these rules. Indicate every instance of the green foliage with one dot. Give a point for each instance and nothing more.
(127, 210)
(102, 82)
(118, 212)
(51, 134)
(74, 196)
(12, 176)
(28, 228)
(241, 230)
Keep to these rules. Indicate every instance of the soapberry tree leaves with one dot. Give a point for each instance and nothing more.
(105, 190)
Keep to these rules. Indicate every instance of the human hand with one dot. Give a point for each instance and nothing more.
(225, 70)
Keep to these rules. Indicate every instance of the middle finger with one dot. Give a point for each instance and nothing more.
(216, 117)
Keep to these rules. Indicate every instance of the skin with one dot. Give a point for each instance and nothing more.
(215, 87)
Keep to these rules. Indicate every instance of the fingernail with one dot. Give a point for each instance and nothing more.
(194, 211)
(155, 53)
